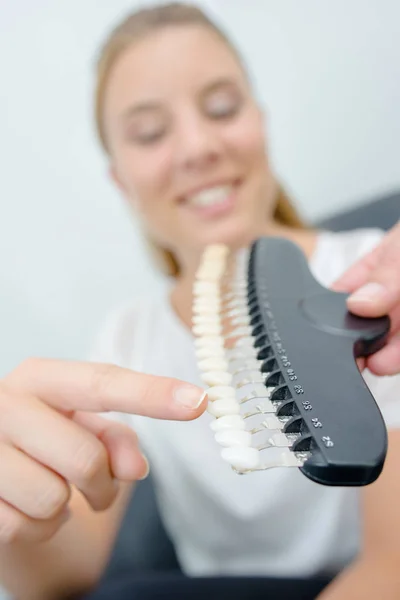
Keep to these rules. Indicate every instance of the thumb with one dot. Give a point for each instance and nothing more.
(374, 281)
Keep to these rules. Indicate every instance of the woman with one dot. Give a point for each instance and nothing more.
(184, 135)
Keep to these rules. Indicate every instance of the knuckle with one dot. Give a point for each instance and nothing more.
(11, 528)
(103, 377)
(28, 365)
(26, 369)
(50, 500)
(88, 461)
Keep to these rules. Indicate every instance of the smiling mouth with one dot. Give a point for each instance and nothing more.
(213, 200)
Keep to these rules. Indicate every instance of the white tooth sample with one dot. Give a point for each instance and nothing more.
(213, 364)
(246, 364)
(230, 438)
(207, 300)
(245, 342)
(223, 406)
(211, 378)
(239, 321)
(206, 320)
(210, 329)
(215, 303)
(221, 391)
(210, 352)
(205, 309)
(228, 422)
(207, 287)
(210, 272)
(216, 251)
(240, 331)
(236, 312)
(209, 341)
(242, 458)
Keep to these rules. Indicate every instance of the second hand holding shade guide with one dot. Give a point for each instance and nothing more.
(278, 351)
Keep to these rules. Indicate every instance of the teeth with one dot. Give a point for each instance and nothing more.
(213, 364)
(205, 287)
(210, 352)
(231, 438)
(211, 378)
(209, 341)
(221, 391)
(228, 422)
(205, 320)
(205, 308)
(207, 329)
(242, 458)
(209, 197)
(223, 407)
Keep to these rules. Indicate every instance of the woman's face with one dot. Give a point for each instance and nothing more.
(186, 140)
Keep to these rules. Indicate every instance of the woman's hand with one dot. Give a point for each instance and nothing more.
(51, 438)
(374, 284)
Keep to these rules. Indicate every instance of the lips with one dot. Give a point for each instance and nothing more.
(213, 200)
(210, 197)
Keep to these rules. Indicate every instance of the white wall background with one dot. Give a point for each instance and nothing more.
(328, 73)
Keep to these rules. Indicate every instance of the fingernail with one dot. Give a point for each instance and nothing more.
(189, 396)
(147, 471)
(369, 293)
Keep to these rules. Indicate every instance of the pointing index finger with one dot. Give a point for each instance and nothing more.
(98, 387)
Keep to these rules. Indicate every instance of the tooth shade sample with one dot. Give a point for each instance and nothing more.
(228, 422)
(206, 320)
(231, 438)
(213, 364)
(205, 309)
(210, 329)
(223, 407)
(210, 352)
(221, 391)
(200, 287)
(216, 378)
(209, 341)
(241, 458)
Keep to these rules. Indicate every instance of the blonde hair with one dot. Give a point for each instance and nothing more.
(135, 27)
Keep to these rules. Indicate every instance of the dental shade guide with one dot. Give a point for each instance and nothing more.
(278, 353)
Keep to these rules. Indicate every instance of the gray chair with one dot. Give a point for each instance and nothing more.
(143, 544)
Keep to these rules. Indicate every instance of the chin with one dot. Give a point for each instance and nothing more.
(236, 234)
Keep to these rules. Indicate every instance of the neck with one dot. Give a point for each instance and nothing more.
(181, 296)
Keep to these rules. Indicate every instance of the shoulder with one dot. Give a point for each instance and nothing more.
(338, 251)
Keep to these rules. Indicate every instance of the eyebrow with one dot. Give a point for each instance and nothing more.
(217, 83)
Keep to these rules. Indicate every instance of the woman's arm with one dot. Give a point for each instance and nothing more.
(72, 561)
(375, 575)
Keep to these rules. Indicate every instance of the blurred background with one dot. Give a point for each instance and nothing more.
(328, 74)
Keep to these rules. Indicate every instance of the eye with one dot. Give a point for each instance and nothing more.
(145, 135)
(222, 104)
(146, 129)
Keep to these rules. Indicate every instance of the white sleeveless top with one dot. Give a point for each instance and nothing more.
(274, 522)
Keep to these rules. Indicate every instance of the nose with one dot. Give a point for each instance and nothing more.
(197, 143)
